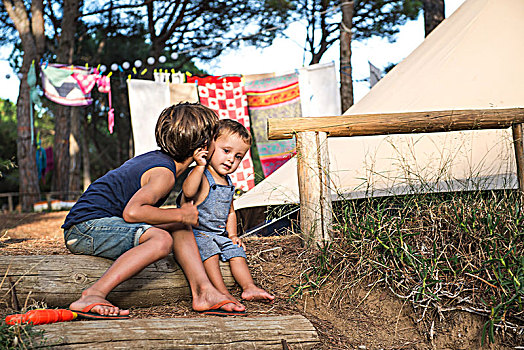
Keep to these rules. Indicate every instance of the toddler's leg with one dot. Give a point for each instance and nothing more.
(240, 271)
(186, 253)
(215, 276)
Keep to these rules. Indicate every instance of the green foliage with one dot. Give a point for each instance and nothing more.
(440, 252)
(18, 336)
(7, 131)
(370, 18)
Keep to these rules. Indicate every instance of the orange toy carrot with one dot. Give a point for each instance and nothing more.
(41, 316)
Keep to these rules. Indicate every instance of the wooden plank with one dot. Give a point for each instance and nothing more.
(313, 184)
(519, 154)
(58, 280)
(397, 123)
(188, 333)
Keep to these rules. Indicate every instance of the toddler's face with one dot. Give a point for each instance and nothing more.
(228, 152)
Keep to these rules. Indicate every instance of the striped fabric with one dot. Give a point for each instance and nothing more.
(277, 97)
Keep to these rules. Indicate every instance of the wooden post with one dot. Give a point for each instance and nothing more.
(519, 154)
(10, 203)
(314, 189)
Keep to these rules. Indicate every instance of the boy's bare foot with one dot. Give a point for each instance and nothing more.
(87, 300)
(255, 293)
(206, 299)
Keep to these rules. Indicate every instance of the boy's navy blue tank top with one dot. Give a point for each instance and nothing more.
(108, 196)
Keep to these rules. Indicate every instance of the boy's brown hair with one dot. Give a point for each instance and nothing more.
(183, 128)
(229, 126)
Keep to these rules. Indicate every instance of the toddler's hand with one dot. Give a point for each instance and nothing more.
(189, 213)
(238, 241)
(200, 156)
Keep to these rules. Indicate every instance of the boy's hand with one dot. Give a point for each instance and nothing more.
(200, 156)
(189, 213)
(238, 241)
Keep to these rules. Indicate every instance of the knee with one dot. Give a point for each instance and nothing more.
(161, 242)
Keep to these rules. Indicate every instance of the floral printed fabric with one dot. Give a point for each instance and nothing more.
(229, 100)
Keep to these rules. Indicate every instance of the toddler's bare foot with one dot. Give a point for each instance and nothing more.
(255, 293)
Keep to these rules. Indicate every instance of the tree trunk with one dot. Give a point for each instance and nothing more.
(58, 280)
(75, 184)
(346, 80)
(86, 170)
(31, 32)
(28, 177)
(267, 332)
(61, 151)
(62, 118)
(433, 14)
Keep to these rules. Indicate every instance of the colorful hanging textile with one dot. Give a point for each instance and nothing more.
(104, 86)
(49, 160)
(229, 101)
(86, 82)
(277, 97)
(212, 79)
(41, 158)
(61, 87)
(182, 93)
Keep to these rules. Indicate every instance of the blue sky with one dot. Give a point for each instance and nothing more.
(287, 55)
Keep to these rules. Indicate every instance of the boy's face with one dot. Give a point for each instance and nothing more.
(226, 153)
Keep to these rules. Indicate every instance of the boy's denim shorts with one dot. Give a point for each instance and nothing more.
(106, 237)
(210, 244)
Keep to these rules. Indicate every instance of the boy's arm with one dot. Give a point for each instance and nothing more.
(231, 228)
(191, 185)
(156, 184)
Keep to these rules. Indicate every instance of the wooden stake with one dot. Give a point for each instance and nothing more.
(519, 154)
(314, 189)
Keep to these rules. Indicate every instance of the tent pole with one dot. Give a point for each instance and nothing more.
(313, 182)
(519, 154)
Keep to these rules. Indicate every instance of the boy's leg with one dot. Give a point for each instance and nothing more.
(154, 244)
(250, 291)
(212, 268)
(205, 295)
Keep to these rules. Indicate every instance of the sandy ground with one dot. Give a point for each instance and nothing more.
(363, 319)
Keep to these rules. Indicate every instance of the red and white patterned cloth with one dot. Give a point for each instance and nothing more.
(229, 100)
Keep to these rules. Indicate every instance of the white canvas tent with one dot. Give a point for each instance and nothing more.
(472, 60)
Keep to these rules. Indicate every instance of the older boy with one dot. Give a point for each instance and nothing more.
(119, 216)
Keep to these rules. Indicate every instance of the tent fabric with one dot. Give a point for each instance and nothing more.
(274, 97)
(147, 99)
(472, 60)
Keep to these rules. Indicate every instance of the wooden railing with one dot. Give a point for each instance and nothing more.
(313, 159)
